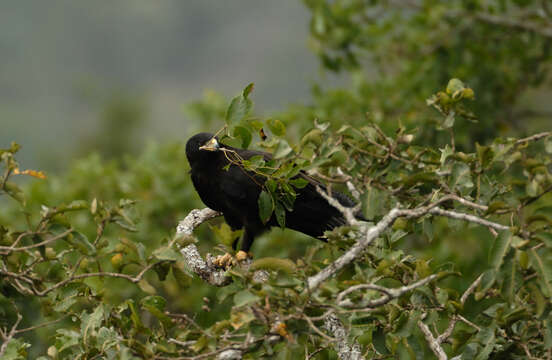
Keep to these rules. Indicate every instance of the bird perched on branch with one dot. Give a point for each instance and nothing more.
(225, 186)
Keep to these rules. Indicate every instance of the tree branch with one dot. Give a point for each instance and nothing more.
(7, 337)
(345, 350)
(204, 269)
(389, 294)
(355, 251)
(375, 231)
(469, 218)
(433, 344)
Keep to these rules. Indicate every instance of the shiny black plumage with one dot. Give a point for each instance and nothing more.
(235, 192)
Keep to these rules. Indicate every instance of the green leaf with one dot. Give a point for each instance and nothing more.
(511, 277)
(66, 338)
(90, 322)
(15, 350)
(154, 302)
(276, 126)
(266, 206)
(155, 305)
(543, 266)
(239, 108)
(445, 153)
(500, 248)
(80, 241)
(532, 188)
(182, 278)
(495, 206)
(282, 149)
(449, 120)
(275, 264)
(225, 233)
(107, 338)
(337, 158)
(15, 192)
(373, 202)
(134, 314)
(248, 90)
(461, 177)
(548, 144)
(548, 333)
(487, 338)
(166, 253)
(280, 213)
(378, 339)
(454, 85)
(245, 297)
(244, 134)
(299, 183)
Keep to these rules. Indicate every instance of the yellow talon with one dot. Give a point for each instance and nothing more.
(223, 261)
(241, 255)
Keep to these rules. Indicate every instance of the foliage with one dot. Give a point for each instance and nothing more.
(68, 257)
(398, 52)
(456, 255)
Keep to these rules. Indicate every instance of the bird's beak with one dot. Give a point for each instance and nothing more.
(211, 145)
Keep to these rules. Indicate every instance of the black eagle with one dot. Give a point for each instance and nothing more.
(230, 189)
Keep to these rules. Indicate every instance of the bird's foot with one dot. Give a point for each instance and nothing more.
(226, 261)
(241, 256)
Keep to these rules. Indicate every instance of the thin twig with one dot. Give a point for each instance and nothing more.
(9, 336)
(432, 342)
(389, 293)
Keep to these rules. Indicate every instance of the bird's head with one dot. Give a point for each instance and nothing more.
(211, 145)
(201, 147)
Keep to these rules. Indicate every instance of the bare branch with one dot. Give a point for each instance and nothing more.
(389, 294)
(7, 337)
(468, 203)
(433, 344)
(355, 251)
(6, 250)
(41, 325)
(470, 289)
(534, 137)
(352, 189)
(375, 231)
(469, 218)
(346, 211)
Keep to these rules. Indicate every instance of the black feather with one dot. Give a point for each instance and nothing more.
(235, 192)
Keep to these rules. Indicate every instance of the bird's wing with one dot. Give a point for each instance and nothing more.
(240, 187)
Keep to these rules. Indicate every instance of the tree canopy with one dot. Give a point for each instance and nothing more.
(439, 137)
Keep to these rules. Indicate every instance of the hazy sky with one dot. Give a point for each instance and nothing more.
(59, 59)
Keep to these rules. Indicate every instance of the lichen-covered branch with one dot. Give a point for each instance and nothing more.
(204, 269)
(345, 350)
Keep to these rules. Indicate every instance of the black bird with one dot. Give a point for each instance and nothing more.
(234, 191)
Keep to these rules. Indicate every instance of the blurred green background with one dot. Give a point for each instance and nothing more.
(76, 75)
